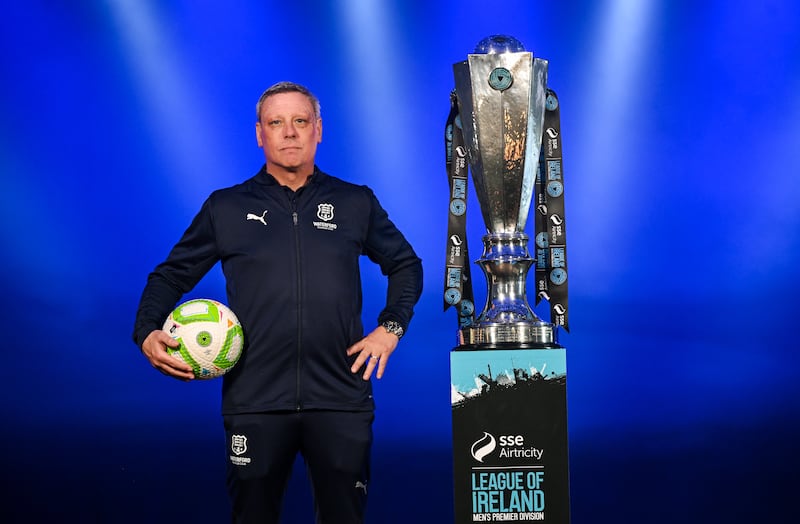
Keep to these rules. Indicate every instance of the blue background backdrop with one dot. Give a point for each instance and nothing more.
(681, 126)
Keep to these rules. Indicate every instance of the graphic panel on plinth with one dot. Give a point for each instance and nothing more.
(509, 412)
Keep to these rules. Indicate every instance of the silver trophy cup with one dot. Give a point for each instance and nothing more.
(501, 92)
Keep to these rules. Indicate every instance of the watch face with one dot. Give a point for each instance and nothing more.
(393, 327)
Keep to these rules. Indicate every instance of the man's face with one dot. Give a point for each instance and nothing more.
(288, 132)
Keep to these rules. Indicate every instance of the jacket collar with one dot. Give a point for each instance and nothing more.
(265, 178)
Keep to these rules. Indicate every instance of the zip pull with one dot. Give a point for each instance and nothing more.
(294, 217)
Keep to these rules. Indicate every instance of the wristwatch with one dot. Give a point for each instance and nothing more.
(393, 327)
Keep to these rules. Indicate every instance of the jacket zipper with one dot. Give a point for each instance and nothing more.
(298, 403)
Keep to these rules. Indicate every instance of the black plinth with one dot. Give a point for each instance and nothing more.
(510, 453)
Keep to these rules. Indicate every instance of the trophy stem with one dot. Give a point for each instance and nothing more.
(507, 319)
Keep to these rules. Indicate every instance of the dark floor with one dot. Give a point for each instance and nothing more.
(127, 475)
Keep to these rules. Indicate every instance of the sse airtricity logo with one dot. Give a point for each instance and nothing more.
(508, 446)
(483, 446)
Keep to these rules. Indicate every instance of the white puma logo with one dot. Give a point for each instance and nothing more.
(262, 219)
(361, 485)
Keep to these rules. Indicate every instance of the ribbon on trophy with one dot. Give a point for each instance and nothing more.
(551, 230)
(457, 280)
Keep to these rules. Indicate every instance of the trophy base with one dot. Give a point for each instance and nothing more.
(525, 335)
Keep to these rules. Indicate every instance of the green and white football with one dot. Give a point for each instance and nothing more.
(210, 335)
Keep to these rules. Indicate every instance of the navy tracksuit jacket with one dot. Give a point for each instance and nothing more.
(291, 264)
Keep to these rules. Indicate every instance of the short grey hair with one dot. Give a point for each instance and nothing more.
(287, 87)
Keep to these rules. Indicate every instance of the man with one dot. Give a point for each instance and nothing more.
(289, 240)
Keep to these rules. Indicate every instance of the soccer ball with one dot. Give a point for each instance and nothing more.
(210, 335)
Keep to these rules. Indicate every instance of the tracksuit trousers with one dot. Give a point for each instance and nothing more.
(262, 447)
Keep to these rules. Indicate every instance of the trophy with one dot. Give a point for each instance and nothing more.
(510, 459)
(501, 91)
